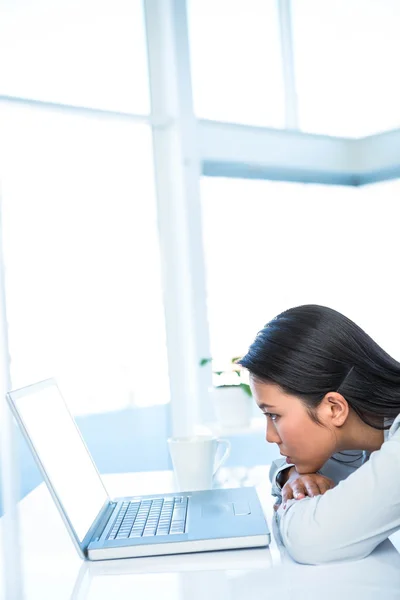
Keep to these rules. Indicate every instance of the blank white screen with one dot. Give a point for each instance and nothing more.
(63, 454)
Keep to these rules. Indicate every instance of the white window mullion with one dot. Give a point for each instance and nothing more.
(9, 456)
(289, 77)
(177, 175)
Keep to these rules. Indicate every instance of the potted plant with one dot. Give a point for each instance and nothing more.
(231, 394)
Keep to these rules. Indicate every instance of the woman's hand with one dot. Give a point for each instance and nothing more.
(299, 486)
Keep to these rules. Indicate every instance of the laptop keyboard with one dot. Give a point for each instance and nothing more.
(161, 516)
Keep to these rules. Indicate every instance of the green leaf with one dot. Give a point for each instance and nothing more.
(233, 360)
(229, 385)
(205, 361)
(246, 388)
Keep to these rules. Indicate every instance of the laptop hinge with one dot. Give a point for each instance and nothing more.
(103, 522)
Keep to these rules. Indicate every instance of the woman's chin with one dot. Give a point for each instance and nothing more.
(306, 468)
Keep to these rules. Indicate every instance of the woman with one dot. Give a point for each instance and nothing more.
(331, 397)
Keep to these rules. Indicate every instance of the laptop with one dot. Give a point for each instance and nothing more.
(104, 528)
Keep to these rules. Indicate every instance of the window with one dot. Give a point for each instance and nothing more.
(82, 258)
(82, 52)
(272, 245)
(236, 61)
(346, 54)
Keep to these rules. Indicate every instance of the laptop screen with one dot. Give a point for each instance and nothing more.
(63, 454)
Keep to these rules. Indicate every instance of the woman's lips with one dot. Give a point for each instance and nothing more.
(288, 459)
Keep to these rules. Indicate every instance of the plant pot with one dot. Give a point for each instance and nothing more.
(233, 407)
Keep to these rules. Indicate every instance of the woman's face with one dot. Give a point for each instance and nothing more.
(305, 443)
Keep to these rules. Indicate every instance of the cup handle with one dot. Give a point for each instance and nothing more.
(227, 444)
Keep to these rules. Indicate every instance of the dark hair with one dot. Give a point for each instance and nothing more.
(311, 350)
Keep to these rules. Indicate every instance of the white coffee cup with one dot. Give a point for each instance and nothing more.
(195, 460)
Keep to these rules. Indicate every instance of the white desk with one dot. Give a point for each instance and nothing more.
(51, 569)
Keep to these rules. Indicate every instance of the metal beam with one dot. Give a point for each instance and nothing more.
(233, 150)
(77, 110)
(289, 76)
(177, 175)
(230, 150)
(379, 157)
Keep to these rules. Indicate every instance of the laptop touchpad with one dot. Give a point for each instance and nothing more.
(223, 508)
(216, 509)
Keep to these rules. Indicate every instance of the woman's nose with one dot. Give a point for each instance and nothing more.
(271, 434)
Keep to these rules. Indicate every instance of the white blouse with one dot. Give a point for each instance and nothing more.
(350, 520)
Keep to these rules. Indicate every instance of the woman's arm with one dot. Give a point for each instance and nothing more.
(337, 468)
(278, 468)
(349, 521)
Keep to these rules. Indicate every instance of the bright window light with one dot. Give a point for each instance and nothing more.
(346, 59)
(82, 258)
(236, 61)
(82, 52)
(272, 245)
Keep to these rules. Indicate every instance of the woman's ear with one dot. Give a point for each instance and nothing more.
(335, 409)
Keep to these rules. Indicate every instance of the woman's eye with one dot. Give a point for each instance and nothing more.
(272, 416)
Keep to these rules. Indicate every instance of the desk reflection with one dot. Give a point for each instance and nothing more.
(240, 575)
(11, 572)
(195, 576)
